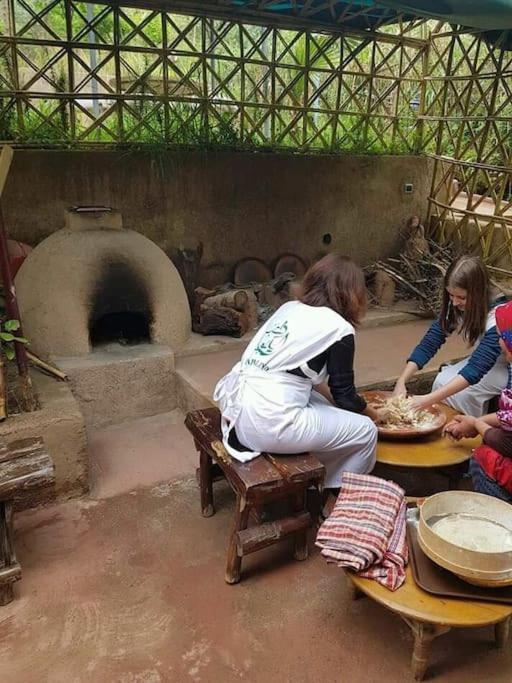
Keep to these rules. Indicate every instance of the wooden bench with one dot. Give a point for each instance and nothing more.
(25, 469)
(265, 479)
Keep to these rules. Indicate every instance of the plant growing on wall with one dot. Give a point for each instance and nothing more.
(7, 338)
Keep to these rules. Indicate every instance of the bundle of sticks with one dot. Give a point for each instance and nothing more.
(419, 277)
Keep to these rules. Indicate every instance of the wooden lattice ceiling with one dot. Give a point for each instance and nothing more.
(122, 75)
(467, 129)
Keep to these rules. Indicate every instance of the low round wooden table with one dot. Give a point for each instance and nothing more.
(436, 451)
(429, 616)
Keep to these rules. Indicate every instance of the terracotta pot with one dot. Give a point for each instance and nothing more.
(18, 252)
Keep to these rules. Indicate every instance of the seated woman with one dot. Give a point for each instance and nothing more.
(274, 399)
(467, 309)
(491, 463)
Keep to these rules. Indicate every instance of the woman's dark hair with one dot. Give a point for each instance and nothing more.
(468, 273)
(337, 282)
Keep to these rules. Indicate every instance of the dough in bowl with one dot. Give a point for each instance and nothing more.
(473, 533)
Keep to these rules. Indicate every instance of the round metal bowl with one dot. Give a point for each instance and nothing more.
(403, 433)
(492, 569)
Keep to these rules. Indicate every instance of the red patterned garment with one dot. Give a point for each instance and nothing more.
(504, 413)
(366, 530)
(504, 328)
(495, 465)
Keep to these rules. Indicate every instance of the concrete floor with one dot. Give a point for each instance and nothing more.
(127, 586)
(135, 454)
(130, 589)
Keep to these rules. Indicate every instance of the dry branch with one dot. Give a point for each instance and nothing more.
(419, 278)
(47, 367)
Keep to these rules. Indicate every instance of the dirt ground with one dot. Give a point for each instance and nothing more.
(130, 589)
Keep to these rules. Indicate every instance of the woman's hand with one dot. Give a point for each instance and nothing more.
(381, 415)
(461, 427)
(422, 402)
(378, 415)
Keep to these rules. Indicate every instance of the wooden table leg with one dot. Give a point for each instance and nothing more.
(6, 594)
(206, 484)
(424, 634)
(10, 570)
(501, 632)
(355, 593)
(234, 563)
(301, 537)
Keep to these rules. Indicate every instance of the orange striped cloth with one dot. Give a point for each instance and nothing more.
(366, 530)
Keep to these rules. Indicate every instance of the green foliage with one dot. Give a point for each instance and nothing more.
(7, 119)
(7, 338)
(284, 97)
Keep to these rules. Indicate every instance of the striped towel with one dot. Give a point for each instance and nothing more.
(366, 530)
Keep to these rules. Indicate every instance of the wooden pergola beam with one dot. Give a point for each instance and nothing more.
(5, 164)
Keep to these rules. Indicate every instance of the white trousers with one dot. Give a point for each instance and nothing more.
(475, 399)
(341, 440)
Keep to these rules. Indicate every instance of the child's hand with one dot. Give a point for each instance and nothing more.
(461, 427)
(400, 389)
(452, 431)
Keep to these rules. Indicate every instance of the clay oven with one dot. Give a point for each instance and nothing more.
(93, 282)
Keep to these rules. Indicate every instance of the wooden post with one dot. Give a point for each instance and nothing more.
(501, 632)
(10, 570)
(424, 633)
(205, 483)
(3, 391)
(301, 536)
(11, 303)
(234, 563)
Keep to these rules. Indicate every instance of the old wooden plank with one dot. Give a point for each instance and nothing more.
(258, 537)
(298, 468)
(204, 425)
(252, 475)
(21, 448)
(24, 465)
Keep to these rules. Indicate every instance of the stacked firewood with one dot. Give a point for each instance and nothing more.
(232, 313)
(417, 275)
(235, 310)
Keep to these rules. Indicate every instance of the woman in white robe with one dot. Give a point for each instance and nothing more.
(275, 398)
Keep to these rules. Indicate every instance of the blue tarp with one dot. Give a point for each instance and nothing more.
(492, 17)
(476, 14)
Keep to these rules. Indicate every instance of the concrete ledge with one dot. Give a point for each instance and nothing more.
(198, 344)
(118, 383)
(421, 383)
(190, 396)
(61, 425)
(380, 356)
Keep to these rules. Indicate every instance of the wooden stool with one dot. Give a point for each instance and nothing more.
(25, 467)
(430, 616)
(265, 479)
